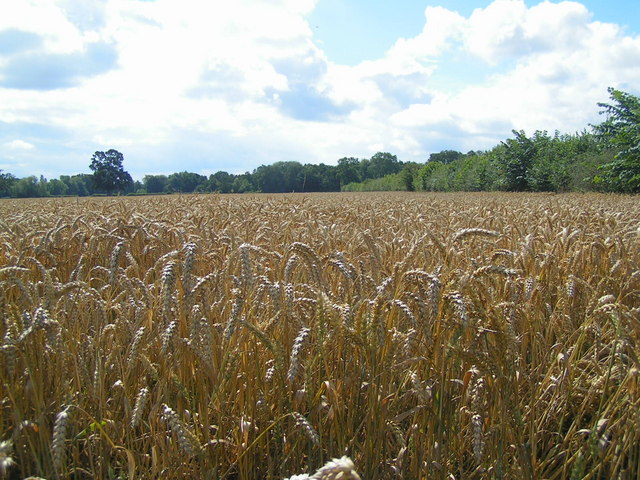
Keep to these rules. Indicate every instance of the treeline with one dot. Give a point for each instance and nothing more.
(80, 185)
(541, 162)
(279, 177)
(607, 158)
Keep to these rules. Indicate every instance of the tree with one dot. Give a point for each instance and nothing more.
(622, 131)
(433, 177)
(155, 183)
(184, 182)
(80, 184)
(319, 178)
(109, 175)
(516, 160)
(408, 173)
(445, 156)
(242, 183)
(221, 182)
(347, 170)
(6, 182)
(57, 187)
(279, 177)
(31, 187)
(381, 164)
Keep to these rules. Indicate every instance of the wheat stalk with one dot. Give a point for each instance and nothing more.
(298, 345)
(139, 406)
(59, 438)
(187, 441)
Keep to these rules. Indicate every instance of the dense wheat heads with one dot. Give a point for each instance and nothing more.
(421, 336)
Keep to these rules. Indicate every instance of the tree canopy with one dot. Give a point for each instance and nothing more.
(621, 130)
(109, 175)
(6, 182)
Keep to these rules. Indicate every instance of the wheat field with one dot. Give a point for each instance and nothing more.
(423, 336)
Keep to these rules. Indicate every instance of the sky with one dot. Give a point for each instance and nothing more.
(210, 85)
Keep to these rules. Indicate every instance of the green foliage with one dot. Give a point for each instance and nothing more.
(408, 176)
(538, 163)
(109, 175)
(321, 178)
(551, 159)
(469, 172)
(57, 187)
(153, 184)
(242, 183)
(434, 177)
(472, 173)
(445, 156)
(184, 182)
(393, 182)
(6, 183)
(30, 186)
(545, 163)
(381, 164)
(80, 185)
(279, 177)
(515, 160)
(221, 182)
(348, 170)
(621, 130)
(583, 173)
(282, 177)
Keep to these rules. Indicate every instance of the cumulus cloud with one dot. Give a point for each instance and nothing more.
(14, 40)
(551, 65)
(303, 102)
(441, 29)
(508, 29)
(85, 15)
(19, 145)
(39, 70)
(42, 49)
(237, 85)
(220, 81)
(404, 90)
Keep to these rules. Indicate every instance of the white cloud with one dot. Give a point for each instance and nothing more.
(554, 65)
(508, 29)
(245, 82)
(441, 28)
(45, 18)
(19, 145)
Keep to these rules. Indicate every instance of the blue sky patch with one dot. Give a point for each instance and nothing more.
(14, 41)
(50, 71)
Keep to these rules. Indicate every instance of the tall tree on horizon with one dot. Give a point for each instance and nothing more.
(108, 172)
(621, 130)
